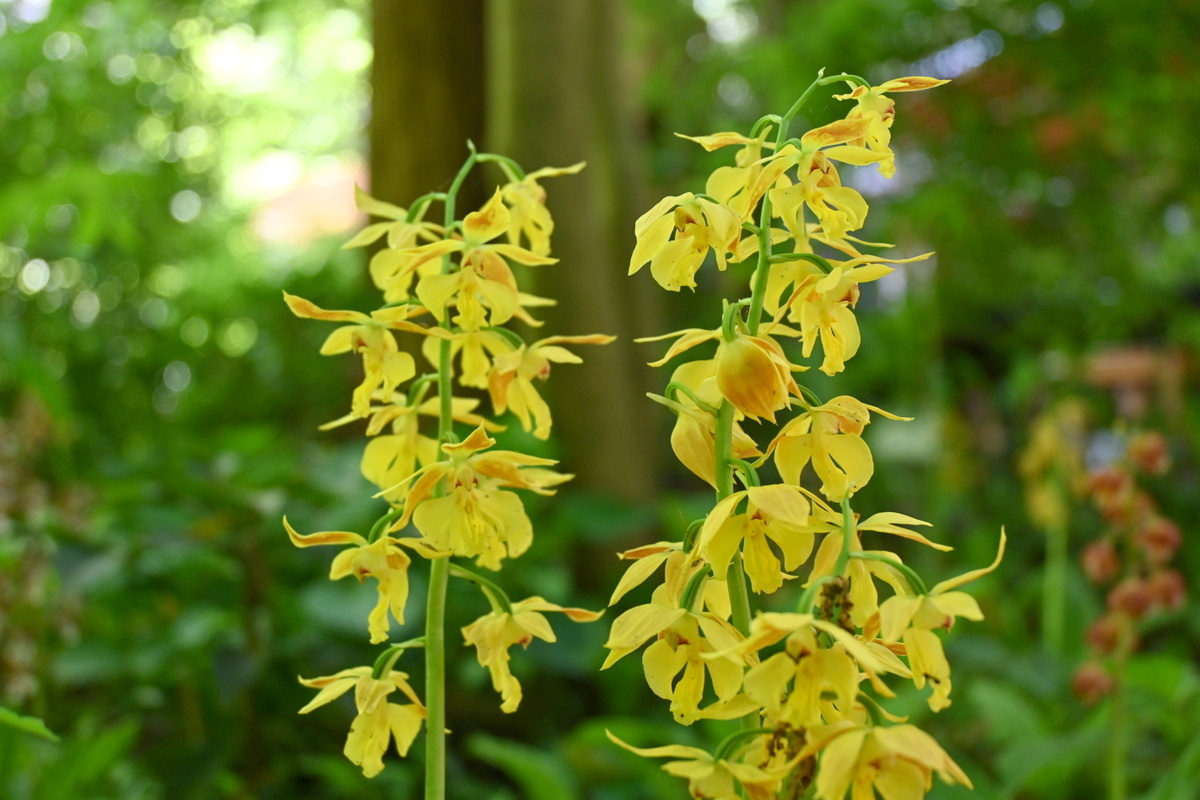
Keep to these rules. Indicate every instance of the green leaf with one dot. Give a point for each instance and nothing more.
(28, 724)
(539, 775)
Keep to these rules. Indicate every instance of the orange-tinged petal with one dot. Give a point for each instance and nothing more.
(840, 132)
(488, 222)
(309, 310)
(324, 537)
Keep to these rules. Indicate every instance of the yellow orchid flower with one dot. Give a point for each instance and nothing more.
(378, 722)
(898, 762)
(839, 209)
(683, 637)
(822, 303)
(385, 366)
(392, 272)
(679, 569)
(693, 439)
(477, 348)
(698, 225)
(732, 186)
(712, 778)
(382, 560)
(400, 232)
(479, 228)
(477, 517)
(861, 574)
(914, 618)
(493, 634)
(526, 200)
(878, 111)
(390, 458)
(510, 381)
(829, 436)
(480, 299)
(755, 375)
(806, 683)
(778, 513)
(752, 372)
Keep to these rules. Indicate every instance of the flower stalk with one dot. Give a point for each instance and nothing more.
(807, 727)
(451, 285)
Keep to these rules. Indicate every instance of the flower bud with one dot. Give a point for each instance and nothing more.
(1100, 561)
(1169, 589)
(754, 375)
(1159, 538)
(1131, 596)
(1091, 682)
(1104, 634)
(1108, 481)
(1148, 452)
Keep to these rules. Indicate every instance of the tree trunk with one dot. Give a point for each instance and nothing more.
(427, 96)
(557, 96)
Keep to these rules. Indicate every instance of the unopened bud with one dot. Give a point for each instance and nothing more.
(1107, 481)
(1131, 596)
(1091, 682)
(1169, 589)
(1159, 538)
(1100, 561)
(1105, 634)
(754, 375)
(1148, 452)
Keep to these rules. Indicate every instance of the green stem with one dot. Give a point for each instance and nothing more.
(763, 270)
(727, 745)
(758, 289)
(729, 320)
(496, 596)
(439, 569)
(387, 659)
(848, 528)
(1118, 782)
(675, 386)
(417, 209)
(724, 450)
(382, 523)
(824, 264)
(910, 575)
(1054, 580)
(748, 472)
(435, 680)
(694, 590)
(512, 170)
(739, 594)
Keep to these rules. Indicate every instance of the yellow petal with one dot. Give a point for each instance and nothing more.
(324, 537)
(967, 577)
(488, 222)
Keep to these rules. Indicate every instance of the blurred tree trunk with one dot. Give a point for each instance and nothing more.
(557, 96)
(427, 96)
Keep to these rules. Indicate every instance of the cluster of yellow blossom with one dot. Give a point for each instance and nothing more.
(805, 684)
(452, 286)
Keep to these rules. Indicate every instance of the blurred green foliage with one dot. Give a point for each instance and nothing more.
(158, 405)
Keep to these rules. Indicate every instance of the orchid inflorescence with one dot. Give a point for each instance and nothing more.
(451, 286)
(805, 684)
(1132, 557)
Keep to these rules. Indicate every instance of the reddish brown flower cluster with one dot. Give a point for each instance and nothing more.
(1132, 558)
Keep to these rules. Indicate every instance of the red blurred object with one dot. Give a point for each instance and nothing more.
(1100, 561)
(1148, 451)
(1131, 596)
(1159, 539)
(1104, 634)
(1169, 589)
(1091, 682)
